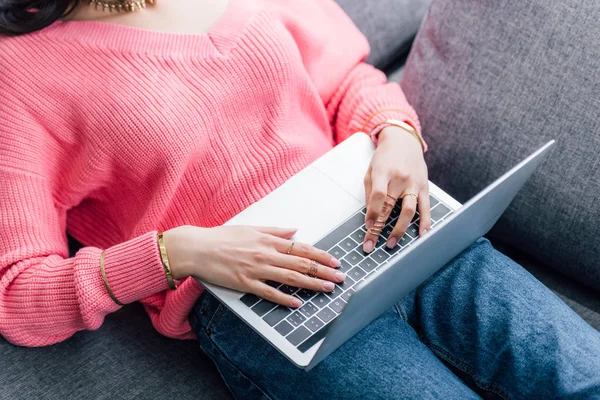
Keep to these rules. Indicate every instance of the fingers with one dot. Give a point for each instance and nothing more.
(305, 266)
(424, 212)
(372, 234)
(284, 233)
(368, 186)
(296, 279)
(409, 207)
(306, 251)
(375, 219)
(265, 291)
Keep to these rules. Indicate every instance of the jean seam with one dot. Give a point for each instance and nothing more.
(216, 317)
(467, 369)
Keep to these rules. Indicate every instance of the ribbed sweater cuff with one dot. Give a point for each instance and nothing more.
(134, 268)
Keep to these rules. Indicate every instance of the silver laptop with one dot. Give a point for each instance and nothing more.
(325, 201)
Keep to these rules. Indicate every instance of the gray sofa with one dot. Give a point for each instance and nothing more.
(127, 359)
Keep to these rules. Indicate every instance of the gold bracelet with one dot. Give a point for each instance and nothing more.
(108, 289)
(404, 126)
(165, 260)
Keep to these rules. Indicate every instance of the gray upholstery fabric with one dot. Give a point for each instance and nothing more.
(124, 359)
(494, 80)
(390, 26)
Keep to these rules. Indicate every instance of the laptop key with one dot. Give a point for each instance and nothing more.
(358, 236)
(306, 294)
(341, 232)
(348, 282)
(432, 201)
(345, 267)
(364, 210)
(314, 324)
(288, 289)
(273, 284)
(284, 328)
(380, 256)
(405, 240)
(393, 250)
(348, 244)
(368, 264)
(354, 257)
(387, 231)
(298, 336)
(249, 299)
(296, 319)
(321, 300)
(439, 212)
(413, 230)
(338, 305)
(346, 296)
(276, 315)
(326, 314)
(308, 309)
(335, 292)
(263, 307)
(357, 273)
(337, 252)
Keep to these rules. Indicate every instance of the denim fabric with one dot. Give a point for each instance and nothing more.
(482, 326)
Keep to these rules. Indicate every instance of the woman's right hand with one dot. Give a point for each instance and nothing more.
(243, 257)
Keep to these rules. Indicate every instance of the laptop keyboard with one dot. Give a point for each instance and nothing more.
(305, 326)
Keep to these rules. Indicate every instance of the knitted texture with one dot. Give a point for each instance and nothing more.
(110, 133)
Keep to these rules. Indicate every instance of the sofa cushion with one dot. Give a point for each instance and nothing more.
(494, 80)
(124, 359)
(389, 25)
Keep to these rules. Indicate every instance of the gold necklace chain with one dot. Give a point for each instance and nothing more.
(120, 5)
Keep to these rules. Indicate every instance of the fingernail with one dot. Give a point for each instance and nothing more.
(424, 232)
(335, 262)
(328, 286)
(368, 246)
(392, 242)
(370, 223)
(340, 276)
(296, 302)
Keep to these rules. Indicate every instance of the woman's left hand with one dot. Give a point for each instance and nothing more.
(397, 171)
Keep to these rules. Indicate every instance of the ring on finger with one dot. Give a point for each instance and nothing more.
(313, 270)
(291, 247)
(414, 196)
(392, 197)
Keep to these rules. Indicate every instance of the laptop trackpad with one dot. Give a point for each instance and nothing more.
(309, 201)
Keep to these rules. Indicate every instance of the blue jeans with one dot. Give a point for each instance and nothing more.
(481, 327)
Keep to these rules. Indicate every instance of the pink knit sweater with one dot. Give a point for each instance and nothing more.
(110, 132)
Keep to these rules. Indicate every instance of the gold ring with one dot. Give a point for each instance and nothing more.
(414, 196)
(375, 231)
(291, 247)
(312, 271)
(392, 197)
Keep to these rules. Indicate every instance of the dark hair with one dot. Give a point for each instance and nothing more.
(23, 16)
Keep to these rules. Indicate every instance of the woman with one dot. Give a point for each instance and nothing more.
(121, 118)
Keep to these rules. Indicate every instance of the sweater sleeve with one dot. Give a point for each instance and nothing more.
(357, 96)
(45, 297)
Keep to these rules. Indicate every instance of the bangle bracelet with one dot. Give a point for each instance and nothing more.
(165, 260)
(404, 126)
(106, 285)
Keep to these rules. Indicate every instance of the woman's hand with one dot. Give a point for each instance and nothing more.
(243, 257)
(397, 169)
